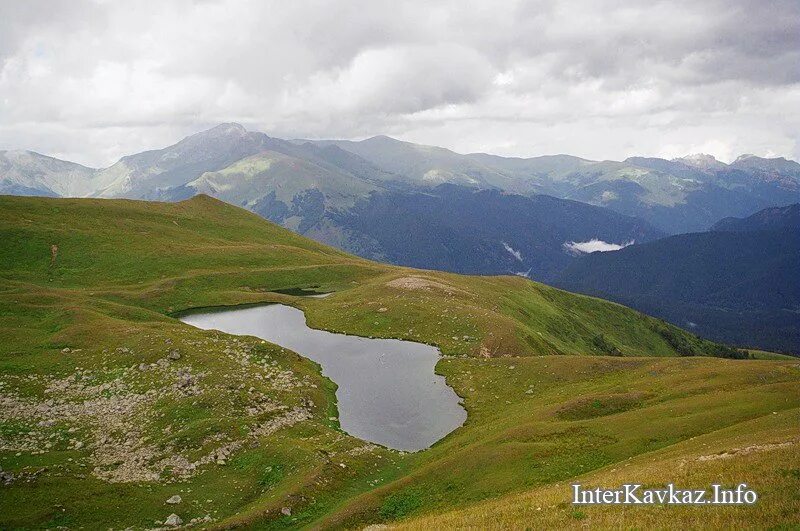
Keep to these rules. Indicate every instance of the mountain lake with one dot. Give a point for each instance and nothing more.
(387, 392)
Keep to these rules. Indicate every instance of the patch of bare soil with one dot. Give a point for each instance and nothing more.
(421, 284)
(736, 452)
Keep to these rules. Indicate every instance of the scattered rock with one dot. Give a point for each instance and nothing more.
(6, 477)
(748, 450)
(114, 412)
(174, 500)
(286, 511)
(174, 355)
(173, 520)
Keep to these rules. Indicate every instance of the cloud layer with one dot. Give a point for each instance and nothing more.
(92, 80)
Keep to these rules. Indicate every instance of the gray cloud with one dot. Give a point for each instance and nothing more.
(92, 80)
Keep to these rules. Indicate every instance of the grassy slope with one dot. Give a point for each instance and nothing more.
(168, 257)
(763, 453)
(538, 421)
(122, 267)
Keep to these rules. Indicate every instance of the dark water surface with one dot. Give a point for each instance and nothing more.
(388, 392)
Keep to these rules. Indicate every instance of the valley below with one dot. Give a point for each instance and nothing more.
(116, 413)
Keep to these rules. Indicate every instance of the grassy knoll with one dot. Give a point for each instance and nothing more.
(109, 406)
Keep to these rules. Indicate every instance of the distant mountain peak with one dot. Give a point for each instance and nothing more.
(750, 156)
(701, 160)
(28, 154)
(700, 157)
(230, 126)
(225, 129)
(382, 138)
(775, 165)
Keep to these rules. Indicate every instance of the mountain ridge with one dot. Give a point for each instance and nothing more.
(311, 182)
(786, 217)
(208, 150)
(471, 231)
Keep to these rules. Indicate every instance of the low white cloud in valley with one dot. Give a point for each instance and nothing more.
(594, 245)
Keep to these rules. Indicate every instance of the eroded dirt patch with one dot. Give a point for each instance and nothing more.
(422, 284)
(738, 452)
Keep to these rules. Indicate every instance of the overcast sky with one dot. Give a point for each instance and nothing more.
(91, 81)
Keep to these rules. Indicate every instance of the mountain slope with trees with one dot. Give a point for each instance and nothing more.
(738, 283)
(464, 230)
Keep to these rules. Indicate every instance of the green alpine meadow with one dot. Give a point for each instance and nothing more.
(370, 265)
(114, 414)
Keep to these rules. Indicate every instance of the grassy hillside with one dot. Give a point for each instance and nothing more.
(538, 424)
(763, 453)
(202, 252)
(109, 406)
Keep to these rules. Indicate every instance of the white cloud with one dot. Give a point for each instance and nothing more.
(513, 252)
(593, 245)
(602, 79)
